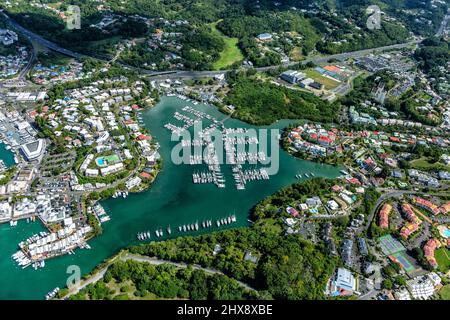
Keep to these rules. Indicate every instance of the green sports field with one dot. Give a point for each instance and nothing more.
(442, 256)
(230, 54)
(328, 83)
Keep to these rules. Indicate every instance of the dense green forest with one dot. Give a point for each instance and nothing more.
(125, 280)
(288, 266)
(324, 26)
(260, 102)
(432, 55)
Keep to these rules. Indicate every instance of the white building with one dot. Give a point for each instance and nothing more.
(33, 150)
(133, 182)
(402, 294)
(421, 287)
(5, 210)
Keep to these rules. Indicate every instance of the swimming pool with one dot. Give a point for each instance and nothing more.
(446, 233)
(100, 162)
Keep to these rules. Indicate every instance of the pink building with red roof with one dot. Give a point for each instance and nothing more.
(428, 250)
(427, 205)
(408, 229)
(445, 208)
(409, 213)
(383, 216)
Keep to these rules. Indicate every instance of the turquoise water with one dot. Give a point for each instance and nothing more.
(6, 155)
(100, 162)
(446, 233)
(172, 200)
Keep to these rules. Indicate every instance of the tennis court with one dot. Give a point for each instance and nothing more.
(403, 260)
(389, 245)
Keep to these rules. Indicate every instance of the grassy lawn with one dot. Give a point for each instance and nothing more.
(424, 164)
(442, 256)
(296, 54)
(230, 54)
(445, 292)
(316, 76)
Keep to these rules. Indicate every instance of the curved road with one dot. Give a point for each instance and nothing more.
(195, 74)
(99, 274)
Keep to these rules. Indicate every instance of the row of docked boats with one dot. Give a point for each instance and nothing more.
(195, 226)
(142, 236)
(122, 194)
(146, 235)
(307, 175)
(225, 221)
(52, 294)
(100, 213)
(189, 227)
(239, 140)
(214, 176)
(173, 128)
(192, 143)
(183, 118)
(21, 259)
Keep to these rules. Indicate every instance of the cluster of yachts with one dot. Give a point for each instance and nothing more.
(101, 213)
(173, 128)
(122, 194)
(192, 143)
(209, 177)
(21, 259)
(52, 294)
(181, 117)
(307, 175)
(251, 157)
(241, 177)
(182, 97)
(146, 235)
(239, 140)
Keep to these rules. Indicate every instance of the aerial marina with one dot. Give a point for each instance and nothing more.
(141, 213)
(234, 141)
(44, 245)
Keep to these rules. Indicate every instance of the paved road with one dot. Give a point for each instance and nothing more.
(99, 274)
(44, 42)
(177, 74)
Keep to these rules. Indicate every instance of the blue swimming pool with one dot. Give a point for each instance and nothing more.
(100, 162)
(446, 233)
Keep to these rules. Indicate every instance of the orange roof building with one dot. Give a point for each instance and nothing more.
(332, 68)
(383, 216)
(428, 250)
(408, 229)
(427, 205)
(445, 208)
(145, 175)
(409, 213)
